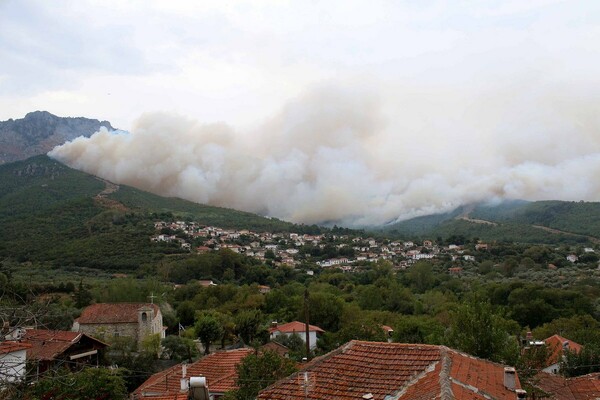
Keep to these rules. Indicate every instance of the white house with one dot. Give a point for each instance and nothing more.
(298, 328)
(12, 361)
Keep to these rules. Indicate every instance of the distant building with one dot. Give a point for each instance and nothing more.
(110, 320)
(572, 258)
(298, 328)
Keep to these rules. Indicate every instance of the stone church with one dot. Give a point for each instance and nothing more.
(111, 320)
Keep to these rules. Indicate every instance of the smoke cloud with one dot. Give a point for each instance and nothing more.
(366, 157)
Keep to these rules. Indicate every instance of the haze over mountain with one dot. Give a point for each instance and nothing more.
(39, 132)
(353, 157)
(349, 112)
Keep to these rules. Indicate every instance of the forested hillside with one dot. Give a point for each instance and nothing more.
(515, 221)
(53, 214)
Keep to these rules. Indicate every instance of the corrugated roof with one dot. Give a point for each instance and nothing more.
(219, 369)
(111, 313)
(403, 371)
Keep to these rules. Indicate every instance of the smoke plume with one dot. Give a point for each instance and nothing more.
(359, 157)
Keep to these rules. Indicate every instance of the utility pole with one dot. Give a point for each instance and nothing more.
(306, 324)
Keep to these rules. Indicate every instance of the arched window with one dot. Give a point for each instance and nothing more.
(144, 317)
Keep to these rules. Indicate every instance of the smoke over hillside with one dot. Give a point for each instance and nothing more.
(350, 156)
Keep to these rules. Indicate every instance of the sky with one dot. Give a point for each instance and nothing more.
(354, 111)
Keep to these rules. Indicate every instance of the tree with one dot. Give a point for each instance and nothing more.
(179, 348)
(247, 323)
(582, 363)
(151, 345)
(421, 276)
(256, 372)
(477, 330)
(90, 383)
(83, 297)
(208, 330)
(325, 311)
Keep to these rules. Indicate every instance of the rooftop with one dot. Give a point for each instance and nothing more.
(556, 344)
(579, 388)
(394, 370)
(219, 369)
(294, 327)
(48, 344)
(12, 346)
(111, 313)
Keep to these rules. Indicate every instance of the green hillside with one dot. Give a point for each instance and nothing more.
(223, 217)
(576, 217)
(49, 214)
(515, 221)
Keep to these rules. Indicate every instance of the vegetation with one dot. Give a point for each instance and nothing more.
(61, 246)
(90, 383)
(256, 372)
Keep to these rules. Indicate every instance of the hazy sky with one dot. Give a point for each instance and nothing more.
(240, 61)
(358, 112)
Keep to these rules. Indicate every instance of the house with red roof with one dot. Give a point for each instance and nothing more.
(13, 359)
(385, 371)
(557, 387)
(218, 369)
(110, 320)
(296, 328)
(557, 345)
(50, 349)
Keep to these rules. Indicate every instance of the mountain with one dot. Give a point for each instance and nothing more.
(57, 216)
(39, 132)
(516, 221)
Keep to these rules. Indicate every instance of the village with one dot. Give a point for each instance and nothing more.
(344, 252)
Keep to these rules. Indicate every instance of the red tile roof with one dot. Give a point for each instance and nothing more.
(556, 344)
(10, 346)
(47, 345)
(404, 371)
(294, 327)
(111, 313)
(557, 387)
(219, 369)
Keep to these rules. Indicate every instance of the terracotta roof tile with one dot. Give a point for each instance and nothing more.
(10, 346)
(110, 313)
(48, 344)
(579, 388)
(219, 369)
(556, 344)
(406, 371)
(294, 327)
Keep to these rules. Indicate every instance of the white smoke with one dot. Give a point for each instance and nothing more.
(365, 157)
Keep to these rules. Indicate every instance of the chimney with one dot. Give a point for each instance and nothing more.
(521, 394)
(184, 385)
(529, 336)
(274, 324)
(510, 378)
